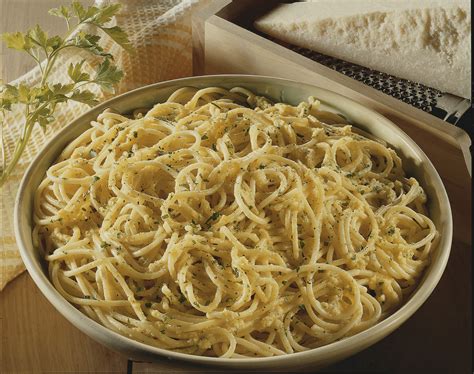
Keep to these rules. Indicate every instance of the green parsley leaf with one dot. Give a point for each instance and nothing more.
(61, 89)
(236, 272)
(213, 217)
(17, 40)
(62, 11)
(38, 36)
(23, 93)
(84, 96)
(106, 13)
(107, 75)
(90, 42)
(54, 43)
(118, 36)
(8, 96)
(75, 72)
(44, 116)
(78, 10)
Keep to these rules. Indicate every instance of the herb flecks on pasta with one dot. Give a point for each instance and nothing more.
(221, 224)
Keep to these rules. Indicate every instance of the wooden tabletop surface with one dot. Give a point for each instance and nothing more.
(36, 338)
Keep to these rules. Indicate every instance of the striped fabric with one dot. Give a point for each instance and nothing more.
(160, 31)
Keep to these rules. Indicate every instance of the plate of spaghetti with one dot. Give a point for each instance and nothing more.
(237, 220)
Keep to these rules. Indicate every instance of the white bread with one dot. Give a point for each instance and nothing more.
(426, 41)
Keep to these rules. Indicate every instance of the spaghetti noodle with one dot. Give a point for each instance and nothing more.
(222, 224)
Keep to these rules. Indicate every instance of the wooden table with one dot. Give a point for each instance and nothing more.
(36, 338)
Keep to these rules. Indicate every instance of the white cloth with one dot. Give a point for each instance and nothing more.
(160, 33)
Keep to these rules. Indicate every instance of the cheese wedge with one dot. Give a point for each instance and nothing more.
(426, 41)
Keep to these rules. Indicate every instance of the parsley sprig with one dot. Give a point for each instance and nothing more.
(39, 102)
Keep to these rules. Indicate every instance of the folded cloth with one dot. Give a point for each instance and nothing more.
(160, 33)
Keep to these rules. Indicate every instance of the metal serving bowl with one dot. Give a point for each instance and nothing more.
(416, 164)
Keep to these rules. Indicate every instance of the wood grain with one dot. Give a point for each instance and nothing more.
(35, 337)
(198, 25)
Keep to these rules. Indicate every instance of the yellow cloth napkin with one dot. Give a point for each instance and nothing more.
(160, 32)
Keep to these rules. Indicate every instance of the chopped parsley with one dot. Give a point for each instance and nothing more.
(217, 106)
(213, 217)
(236, 272)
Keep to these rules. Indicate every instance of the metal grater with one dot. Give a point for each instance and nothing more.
(453, 109)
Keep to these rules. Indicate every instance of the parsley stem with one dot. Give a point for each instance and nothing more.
(21, 143)
(19, 147)
(38, 62)
(51, 59)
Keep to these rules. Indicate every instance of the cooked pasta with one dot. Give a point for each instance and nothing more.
(221, 224)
